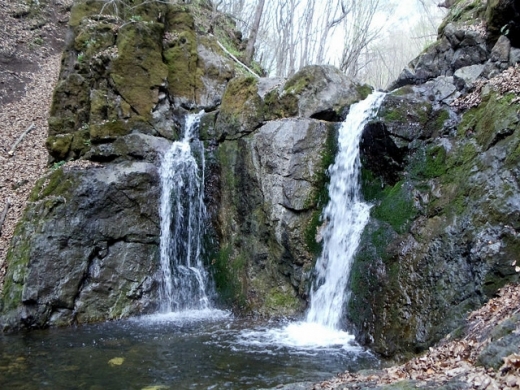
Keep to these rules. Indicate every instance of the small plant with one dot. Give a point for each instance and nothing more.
(89, 43)
(136, 18)
(87, 143)
(58, 165)
(81, 57)
(38, 41)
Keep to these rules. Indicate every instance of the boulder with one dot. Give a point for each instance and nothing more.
(86, 249)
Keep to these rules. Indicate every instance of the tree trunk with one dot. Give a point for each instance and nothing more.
(250, 49)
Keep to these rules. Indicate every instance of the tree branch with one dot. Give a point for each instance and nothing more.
(3, 215)
(20, 138)
(237, 60)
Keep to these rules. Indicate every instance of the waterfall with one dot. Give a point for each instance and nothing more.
(345, 218)
(183, 279)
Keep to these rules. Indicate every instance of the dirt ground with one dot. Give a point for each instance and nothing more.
(31, 41)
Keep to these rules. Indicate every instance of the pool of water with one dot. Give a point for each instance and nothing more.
(188, 351)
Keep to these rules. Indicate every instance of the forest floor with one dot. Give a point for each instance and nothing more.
(31, 42)
(483, 355)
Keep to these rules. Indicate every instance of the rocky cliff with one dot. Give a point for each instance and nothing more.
(441, 166)
(88, 245)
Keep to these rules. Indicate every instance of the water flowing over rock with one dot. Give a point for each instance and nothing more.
(441, 170)
(183, 278)
(345, 217)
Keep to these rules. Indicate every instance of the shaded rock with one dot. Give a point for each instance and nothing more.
(503, 17)
(271, 192)
(440, 240)
(87, 248)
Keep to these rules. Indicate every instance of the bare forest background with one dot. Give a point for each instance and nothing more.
(370, 40)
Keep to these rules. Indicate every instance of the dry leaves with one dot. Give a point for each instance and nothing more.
(453, 359)
(26, 53)
(505, 82)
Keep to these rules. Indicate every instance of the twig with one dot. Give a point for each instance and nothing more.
(4, 214)
(20, 138)
(237, 60)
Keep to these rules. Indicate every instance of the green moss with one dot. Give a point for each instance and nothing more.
(320, 197)
(180, 55)
(311, 232)
(238, 91)
(428, 163)
(277, 107)
(138, 71)
(364, 90)
(407, 89)
(492, 120)
(108, 130)
(59, 146)
(280, 300)
(371, 185)
(58, 185)
(228, 273)
(80, 142)
(299, 82)
(396, 207)
(17, 260)
(83, 9)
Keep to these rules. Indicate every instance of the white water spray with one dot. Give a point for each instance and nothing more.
(345, 217)
(183, 279)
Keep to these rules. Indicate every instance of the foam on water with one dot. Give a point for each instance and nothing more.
(186, 316)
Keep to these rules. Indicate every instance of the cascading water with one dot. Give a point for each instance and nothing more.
(345, 218)
(184, 281)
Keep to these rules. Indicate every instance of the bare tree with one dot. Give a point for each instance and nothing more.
(250, 48)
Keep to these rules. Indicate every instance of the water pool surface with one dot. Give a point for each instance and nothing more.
(170, 352)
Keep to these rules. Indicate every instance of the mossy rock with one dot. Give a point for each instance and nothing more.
(108, 130)
(181, 57)
(241, 110)
(59, 146)
(138, 72)
(280, 106)
(93, 38)
(83, 9)
(493, 120)
(396, 207)
(70, 105)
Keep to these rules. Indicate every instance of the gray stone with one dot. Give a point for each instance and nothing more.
(465, 77)
(514, 56)
(500, 51)
(322, 89)
(88, 248)
(217, 71)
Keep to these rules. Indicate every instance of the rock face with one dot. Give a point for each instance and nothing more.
(444, 231)
(271, 160)
(88, 247)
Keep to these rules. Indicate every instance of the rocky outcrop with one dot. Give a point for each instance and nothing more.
(444, 183)
(87, 248)
(272, 160)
